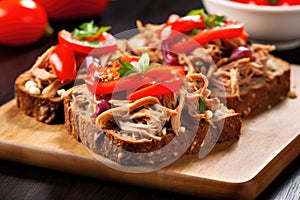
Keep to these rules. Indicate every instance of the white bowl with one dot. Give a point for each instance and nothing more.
(278, 25)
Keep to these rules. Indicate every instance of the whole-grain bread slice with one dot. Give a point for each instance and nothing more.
(127, 151)
(267, 91)
(39, 92)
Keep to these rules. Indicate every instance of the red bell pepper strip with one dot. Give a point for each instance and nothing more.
(165, 72)
(63, 62)
(109, 87)
(156, 89)
(230, 29)
(181, 24)
(106, 80)
(156, 76)
(156, 81)
(187, 23)
(106, 45)
(164, 79)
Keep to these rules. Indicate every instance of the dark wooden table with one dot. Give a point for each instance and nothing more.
(19, 181)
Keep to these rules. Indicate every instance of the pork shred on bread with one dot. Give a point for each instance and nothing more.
(151, 130)
(253, 79)
(252, 84)
(39, 92)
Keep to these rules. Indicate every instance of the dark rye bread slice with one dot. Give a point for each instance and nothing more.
(44, 107)
(266, 93)
(109, 144)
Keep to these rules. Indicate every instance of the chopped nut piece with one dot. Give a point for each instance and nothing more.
(219, 113)
(61, 92)
(29, 84)
(34, 90)
(209, 114)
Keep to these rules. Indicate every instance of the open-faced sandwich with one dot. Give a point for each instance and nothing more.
(39, 91)
(175, 88)
(252, 78)
(134, 112)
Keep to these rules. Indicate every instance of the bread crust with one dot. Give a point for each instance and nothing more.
(268, 92)
(43, 109)
(109, 144)
(45, 105)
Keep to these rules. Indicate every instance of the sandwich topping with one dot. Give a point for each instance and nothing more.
(212, 45)
(59, 65)
(142, 100)
(136, 89)
(42, 80)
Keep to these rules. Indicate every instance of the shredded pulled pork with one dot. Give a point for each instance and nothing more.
(46, 83)
(147, 41)
(212, 59)
(143, 118)
(123, 48)
(152, 117)
(224, 74)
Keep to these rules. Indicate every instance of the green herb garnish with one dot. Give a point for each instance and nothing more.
(89, 30)
(195, 31)
(210, 21)
(141, 67)
(126, 69)
(202, 105)
(195, 12)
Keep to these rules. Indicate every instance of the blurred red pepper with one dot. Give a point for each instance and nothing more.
(105, 44)
(63, 62)
(183, 24)
(230, 29)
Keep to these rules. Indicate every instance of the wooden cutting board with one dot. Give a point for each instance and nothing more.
(269, 142)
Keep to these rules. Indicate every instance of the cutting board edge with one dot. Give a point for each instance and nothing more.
(185, 184)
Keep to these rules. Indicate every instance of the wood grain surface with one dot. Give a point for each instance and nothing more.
(269, 142)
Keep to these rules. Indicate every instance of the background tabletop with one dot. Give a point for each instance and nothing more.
(19, 181)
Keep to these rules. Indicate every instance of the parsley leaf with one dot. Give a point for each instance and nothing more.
(126, 69)
(195, 31)
(195, 12)
(142, 66)
(202, 105)
(211, 21)
(88, 29)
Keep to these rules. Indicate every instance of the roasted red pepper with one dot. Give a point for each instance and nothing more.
(185, 23)
(63, 62)
(74, 46)
(199, 29)
(155, 81)
(105, 44)
(88, 39)
(156, 89)
(106, 80)
(164, 79)
(177, 25)
(230, 29)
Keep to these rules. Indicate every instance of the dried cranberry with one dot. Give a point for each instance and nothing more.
(102, 105)
(169, 57)
(241, 52)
